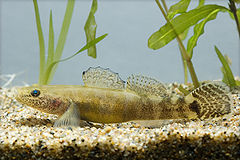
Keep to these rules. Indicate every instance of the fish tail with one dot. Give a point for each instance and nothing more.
(210, 100)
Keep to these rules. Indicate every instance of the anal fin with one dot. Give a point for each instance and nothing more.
(159, 123)
(71, 118)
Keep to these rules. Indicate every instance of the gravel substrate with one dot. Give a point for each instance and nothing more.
(26, 133)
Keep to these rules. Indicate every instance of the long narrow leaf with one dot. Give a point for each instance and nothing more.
(238, 14)
(180, 7)
(199, 30)
(41, 42)
(50, 57)
(87, 46)
(180, 23)
(225, 79)
(229, 76)
(64, 30)
(90, 29)
(238, 83)
(63, 36)
(200, 3)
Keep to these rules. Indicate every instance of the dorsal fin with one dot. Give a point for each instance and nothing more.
(146, 86)
(102, 78)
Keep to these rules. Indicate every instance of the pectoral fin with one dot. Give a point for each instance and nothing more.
(71, 118)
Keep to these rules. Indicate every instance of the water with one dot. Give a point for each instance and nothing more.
(129, 25)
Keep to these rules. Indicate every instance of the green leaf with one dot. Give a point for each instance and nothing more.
(238, 14)
(87, 46)
(179, 24)
(177, 8)
(50, 57)
(227, 72)
(183, 35)
(238, 83)
(62, 37)
(41, 42)
(180, 7)
(200, 3)
(199, 30)
(225, 80)
(90, 29)
(237, 1)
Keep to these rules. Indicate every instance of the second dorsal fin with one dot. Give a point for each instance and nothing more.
(102, 78)
(146, 86)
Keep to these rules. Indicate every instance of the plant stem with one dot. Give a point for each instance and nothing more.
(233, 9)
(164, 5)
(189, 62)
(184, 66)
(182, 48)
(161, 9)
(183, 61)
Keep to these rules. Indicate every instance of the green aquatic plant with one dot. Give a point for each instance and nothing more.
(228, 77)
(48, 67)
(179, 20)
(90, 29)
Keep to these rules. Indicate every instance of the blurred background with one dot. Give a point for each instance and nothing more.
(128, 24)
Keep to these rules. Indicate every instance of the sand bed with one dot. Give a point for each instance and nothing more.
(28, 134)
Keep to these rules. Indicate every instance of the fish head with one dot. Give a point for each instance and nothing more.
(43, 98)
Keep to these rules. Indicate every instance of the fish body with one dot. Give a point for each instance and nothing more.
(105, 99)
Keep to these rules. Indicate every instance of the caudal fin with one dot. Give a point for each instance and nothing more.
(210, 100)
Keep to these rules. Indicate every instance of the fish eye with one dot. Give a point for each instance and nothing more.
(35, 93)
